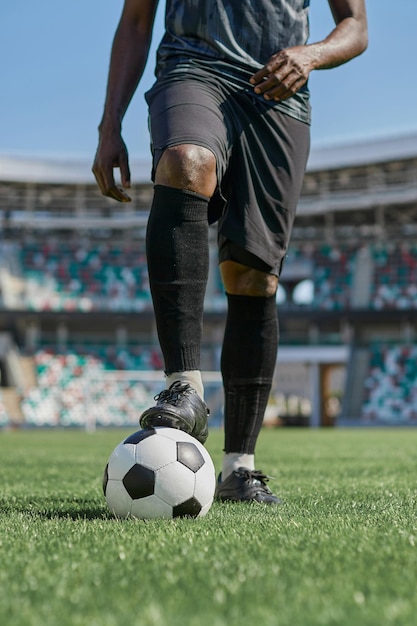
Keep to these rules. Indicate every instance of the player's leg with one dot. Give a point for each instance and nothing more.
(248, 361)
(185, 175)
(248, 358)
(250, 263)
(178, 262)
(178, 255)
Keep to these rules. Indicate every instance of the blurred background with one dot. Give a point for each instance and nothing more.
(78, 344)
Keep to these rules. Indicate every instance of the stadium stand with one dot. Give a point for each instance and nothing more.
(82, 274)
(391, 385)
(74, 295)
(87, 275)
(394, 283)
(70, 390)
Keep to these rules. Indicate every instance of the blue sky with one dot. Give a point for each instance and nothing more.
(54, 60)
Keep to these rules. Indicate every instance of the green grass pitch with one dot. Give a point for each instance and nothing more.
(341, 550)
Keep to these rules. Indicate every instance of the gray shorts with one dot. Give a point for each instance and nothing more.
(261, 155)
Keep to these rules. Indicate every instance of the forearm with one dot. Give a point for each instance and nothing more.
(348, 39)
(128, 59)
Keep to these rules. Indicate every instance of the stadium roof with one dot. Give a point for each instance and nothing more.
(363, 152)
(32, 169)
(57, 170)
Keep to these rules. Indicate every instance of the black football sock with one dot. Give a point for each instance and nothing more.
(178, 260)
(247, 363)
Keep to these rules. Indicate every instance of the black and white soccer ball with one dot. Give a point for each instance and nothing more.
(159, 473)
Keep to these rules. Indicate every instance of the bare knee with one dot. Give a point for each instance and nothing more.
(240, 280)
(188, 166)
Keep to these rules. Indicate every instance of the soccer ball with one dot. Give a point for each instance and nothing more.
(159, 473)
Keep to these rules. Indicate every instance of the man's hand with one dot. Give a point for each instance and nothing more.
(111, 153)
(288, 70)
(284, 74)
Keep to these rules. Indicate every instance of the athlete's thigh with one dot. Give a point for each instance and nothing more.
(266, 171)
(187, 110)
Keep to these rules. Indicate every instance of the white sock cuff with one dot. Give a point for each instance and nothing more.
(233, 460)
(192, 377)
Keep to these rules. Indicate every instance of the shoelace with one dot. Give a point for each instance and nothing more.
(256, 475)
(172, 395)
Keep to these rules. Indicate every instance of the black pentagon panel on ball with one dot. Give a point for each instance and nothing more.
(140, 435)
(189, 455)
(189, 508)
(139, 482)
(105, 478)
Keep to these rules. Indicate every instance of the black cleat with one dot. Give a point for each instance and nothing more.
(244, 485)
(179, 407)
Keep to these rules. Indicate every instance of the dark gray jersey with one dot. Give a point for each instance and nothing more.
(240, 35)
(246, 32)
